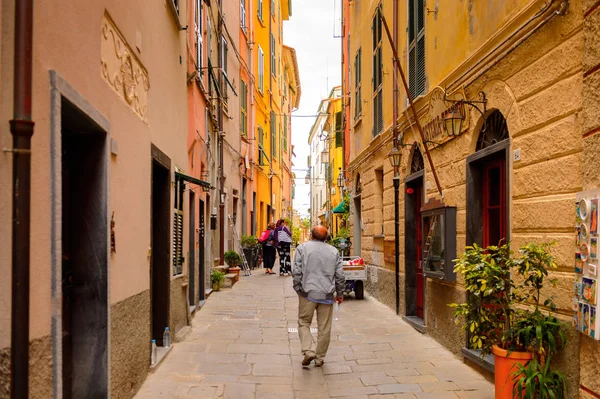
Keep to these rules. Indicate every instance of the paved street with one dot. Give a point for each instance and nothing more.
(239, 347)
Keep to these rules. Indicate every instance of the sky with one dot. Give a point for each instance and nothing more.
(310, 31)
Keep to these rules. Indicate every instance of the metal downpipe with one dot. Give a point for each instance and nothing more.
(21, 127)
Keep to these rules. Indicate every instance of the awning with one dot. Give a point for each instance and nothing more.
(339, 208)
(193, 180)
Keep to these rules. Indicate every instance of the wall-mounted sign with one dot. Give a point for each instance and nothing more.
(435, 128)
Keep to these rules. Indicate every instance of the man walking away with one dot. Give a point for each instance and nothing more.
(319, 281)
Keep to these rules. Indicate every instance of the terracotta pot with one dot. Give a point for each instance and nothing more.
(236, 270)
(504, 366)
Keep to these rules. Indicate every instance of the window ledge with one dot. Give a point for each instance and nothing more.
(175, 13)
(475, 356)
(378, 236)
(357, 121)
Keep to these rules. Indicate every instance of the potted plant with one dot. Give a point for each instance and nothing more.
(250, 248)
(502, 314)
(233, 260)
(216, 278)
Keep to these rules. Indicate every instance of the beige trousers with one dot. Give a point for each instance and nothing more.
(306, 311)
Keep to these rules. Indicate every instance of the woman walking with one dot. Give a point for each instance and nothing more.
(284, 241)
(268, 239)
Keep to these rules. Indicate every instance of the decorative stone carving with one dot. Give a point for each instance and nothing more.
(122, 70)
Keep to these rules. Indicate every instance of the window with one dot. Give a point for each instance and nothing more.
(377, 74)
(224, 64)
(176, 4)
(243, 108)
(178, 257)
(416, 47)
(357, 85)
(243, 15)
(261, 70)
(260, 10)
(273, 8)
(199, 43)
(285, 133)
(285, 82)
(209, 43)
(273, 136)
(273, 59)
(339, 131)
(261, 146)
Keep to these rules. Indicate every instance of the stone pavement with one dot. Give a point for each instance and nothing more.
(240, 347)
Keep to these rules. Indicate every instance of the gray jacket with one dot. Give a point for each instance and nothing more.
(318, 271)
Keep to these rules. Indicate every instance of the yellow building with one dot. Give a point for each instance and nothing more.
(269, 111)
(528, 65)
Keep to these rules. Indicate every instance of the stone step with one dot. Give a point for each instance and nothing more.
(229, 280)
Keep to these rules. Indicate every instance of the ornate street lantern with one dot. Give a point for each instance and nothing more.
(395, 156)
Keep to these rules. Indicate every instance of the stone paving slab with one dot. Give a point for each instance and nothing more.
(239, 347)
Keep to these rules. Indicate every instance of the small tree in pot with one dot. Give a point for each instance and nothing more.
(502, 314)
(216, 278)
(233, 260)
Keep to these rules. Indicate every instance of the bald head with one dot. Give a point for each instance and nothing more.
(319, 233)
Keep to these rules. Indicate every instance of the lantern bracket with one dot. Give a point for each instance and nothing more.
(475, 104)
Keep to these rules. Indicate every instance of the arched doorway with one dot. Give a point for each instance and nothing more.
(414, 282)
(487, 184)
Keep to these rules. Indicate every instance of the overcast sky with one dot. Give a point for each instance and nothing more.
(311, 31)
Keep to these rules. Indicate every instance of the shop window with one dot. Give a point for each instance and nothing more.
(378, 203)
(178, 257)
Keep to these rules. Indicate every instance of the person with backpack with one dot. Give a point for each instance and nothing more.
(268, 240)
(284, 242)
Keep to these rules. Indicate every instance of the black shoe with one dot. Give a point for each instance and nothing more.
(307, 359)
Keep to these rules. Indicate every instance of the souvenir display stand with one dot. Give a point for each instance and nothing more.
(586, 301)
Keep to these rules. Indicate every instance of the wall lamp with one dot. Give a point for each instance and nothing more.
(456, 115)
(395, 156)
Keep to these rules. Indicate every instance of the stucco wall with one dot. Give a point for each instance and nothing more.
(130, 344)
(537, 87)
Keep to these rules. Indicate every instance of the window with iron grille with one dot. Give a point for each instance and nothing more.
(178, 258)
(377, 73)
(339, 132)
(285, 132)
(416, 47)
(243, 15)
(273, 136)
(224, 65)
(260, 10)
(273, 58)
(261, 70)
(199, 42)
(243, 108)
(357, 84)
(261, 146)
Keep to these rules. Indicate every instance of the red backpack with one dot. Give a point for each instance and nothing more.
(264, 236)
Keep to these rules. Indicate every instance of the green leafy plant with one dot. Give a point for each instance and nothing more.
(232, 258)
(249, 241)
(498, 311)
(535, 380)
(217, 277)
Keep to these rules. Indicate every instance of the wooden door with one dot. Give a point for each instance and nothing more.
(420, 289)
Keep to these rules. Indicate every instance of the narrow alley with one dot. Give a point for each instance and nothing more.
(244, 344)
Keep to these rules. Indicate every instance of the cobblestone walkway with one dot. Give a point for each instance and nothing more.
(239, 348)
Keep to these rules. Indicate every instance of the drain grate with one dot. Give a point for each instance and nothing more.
(295, 330)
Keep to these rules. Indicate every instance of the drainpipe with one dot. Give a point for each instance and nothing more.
(21, 127)
(220, 139)
(396, 173)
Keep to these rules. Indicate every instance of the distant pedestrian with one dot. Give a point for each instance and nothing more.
(319, 281)
(268, 240)
(284, 241)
